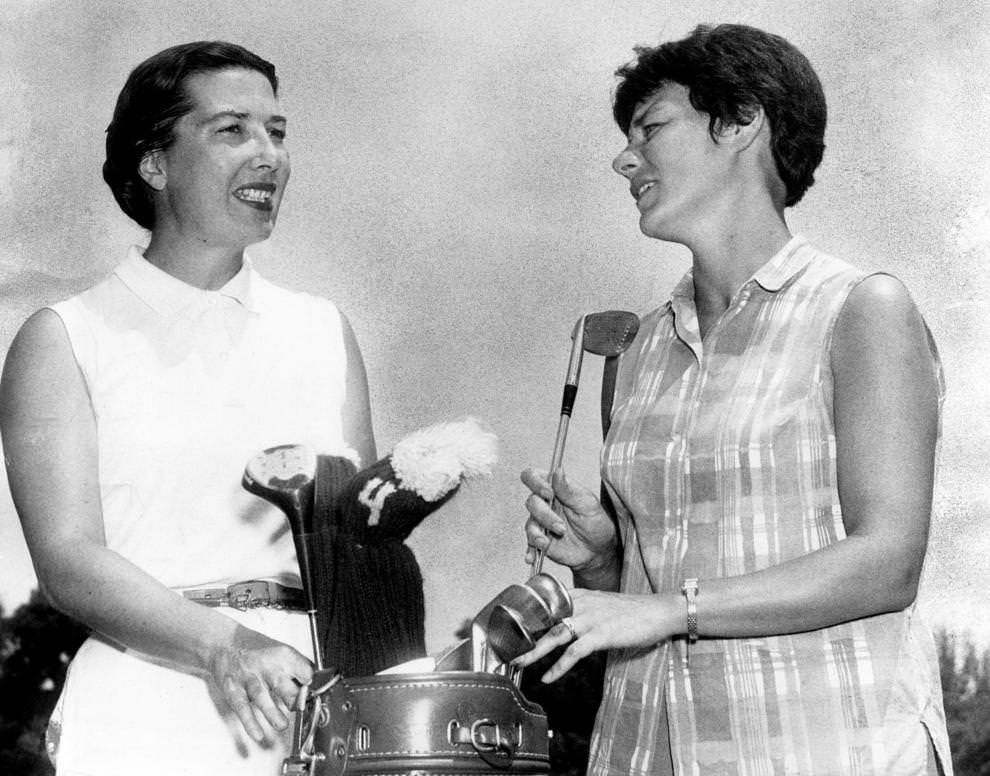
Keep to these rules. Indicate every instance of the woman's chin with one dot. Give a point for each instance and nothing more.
(651, 228)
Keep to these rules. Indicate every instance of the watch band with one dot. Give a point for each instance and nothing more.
(689, 587)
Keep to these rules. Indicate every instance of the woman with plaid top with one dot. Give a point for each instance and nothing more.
(770, 458)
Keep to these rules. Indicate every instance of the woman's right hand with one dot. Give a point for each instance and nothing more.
(581, 534)
(259, 679)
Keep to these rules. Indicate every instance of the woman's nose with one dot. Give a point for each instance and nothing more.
(268, 154)
(625, 163)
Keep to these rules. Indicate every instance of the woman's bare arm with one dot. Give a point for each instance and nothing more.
(49, 437)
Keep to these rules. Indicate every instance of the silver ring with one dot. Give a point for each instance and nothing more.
(568, 623)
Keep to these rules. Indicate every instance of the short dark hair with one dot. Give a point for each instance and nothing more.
(729, 70)
(153, 99)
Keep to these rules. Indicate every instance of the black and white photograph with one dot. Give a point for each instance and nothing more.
(487, 387)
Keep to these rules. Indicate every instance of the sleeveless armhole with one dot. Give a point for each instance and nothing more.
(80, 337)
(826, 383)
(340, 343)
(333, 335)
(937, 369)
(849, 287)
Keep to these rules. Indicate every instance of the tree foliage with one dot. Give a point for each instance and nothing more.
(965, 674)
(36, 644)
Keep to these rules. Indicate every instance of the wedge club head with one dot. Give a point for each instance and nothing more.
(609, 333)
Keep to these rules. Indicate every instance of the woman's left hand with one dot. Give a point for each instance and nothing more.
(606, 621)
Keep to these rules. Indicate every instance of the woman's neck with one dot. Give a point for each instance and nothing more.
(725, 255)
(203, 266)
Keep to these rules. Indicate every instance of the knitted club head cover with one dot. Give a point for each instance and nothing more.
(370, 609)
(379, 614)
(374, 506)
(373, 588)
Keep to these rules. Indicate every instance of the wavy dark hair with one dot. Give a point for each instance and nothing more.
(153, 99)
(729, 71)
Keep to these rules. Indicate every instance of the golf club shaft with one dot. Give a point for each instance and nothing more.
(566, 408)
(304, 555)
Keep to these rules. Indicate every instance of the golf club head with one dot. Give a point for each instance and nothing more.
(285, 476)
(508, 633)
(522, 614)
(553, 594)
(609, 333)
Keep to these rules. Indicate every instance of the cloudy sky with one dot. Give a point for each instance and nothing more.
(452, 193)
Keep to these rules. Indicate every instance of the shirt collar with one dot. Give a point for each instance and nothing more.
(785, 265)
(782, 267)
(168, 295)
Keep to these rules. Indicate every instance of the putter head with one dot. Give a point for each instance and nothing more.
(609, 333)
(285, 476)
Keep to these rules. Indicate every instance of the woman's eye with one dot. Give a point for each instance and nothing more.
(232, 129)
(277, 133)
(649, 129)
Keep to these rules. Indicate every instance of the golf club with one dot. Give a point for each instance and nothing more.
(286, 477)
(524, 613)
(608, 334)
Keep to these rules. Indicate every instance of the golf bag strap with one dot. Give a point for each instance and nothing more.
(609, 373)
(608, 398)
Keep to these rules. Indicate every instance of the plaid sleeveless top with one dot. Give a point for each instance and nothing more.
(721, 461)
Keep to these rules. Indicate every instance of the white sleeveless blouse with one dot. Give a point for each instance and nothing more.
(186, 386)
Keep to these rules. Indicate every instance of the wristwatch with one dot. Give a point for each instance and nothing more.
(689, 588)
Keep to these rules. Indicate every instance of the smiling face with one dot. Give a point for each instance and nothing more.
(221, 180)
(675, 169)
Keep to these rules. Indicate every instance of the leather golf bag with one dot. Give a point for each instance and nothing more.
(449, 722)
(351, 720)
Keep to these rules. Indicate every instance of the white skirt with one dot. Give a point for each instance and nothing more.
(121, 714)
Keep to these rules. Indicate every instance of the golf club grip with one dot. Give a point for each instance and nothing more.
(567, 403)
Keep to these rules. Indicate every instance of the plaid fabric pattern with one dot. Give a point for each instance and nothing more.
(721, 461)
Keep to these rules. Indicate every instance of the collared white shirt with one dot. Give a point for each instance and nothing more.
(186, 386)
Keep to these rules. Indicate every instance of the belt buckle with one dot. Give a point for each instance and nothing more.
(250, 595)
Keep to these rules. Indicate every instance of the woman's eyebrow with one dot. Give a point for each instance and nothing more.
(226, 114)
(640, 116)
(241, 116)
